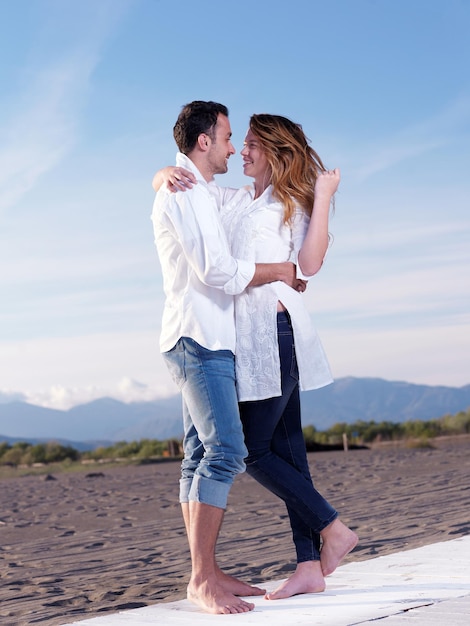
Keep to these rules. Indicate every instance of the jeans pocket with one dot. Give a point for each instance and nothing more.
(174, 360)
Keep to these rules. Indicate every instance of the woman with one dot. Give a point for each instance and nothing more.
(282, 216)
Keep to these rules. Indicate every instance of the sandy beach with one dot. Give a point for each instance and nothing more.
(77, 545)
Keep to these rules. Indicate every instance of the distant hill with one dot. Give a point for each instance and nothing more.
(81, 446)
(374, 399)
(101, 420)
(347, 400)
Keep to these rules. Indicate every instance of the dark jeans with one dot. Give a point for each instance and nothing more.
(277, 458)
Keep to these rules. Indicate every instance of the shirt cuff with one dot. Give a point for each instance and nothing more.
(242, 278)
(294, 258)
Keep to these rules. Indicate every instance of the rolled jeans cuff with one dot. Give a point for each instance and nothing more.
(204, 490)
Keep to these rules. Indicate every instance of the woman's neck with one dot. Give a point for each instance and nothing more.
(260, 187)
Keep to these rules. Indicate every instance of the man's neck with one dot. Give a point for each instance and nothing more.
(200, 162)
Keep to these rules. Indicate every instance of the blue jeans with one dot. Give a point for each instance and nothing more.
(213, 444)
(277, 457)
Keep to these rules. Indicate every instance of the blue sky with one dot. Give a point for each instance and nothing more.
(89, 93)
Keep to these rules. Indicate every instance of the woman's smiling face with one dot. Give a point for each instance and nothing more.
(255, 163)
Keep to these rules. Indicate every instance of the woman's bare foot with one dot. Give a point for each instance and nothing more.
(338, 541)
(307, 578)
(236, 586)
(211, 597)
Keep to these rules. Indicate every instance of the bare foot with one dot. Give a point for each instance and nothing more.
(338, 540)
(307, 578)
(236, 586)
(211, 597)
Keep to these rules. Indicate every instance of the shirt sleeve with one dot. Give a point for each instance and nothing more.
(194, 218)
(299, 230)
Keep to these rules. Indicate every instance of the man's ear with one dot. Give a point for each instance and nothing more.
(203, 142)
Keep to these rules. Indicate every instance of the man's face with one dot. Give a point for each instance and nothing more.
(221, 147)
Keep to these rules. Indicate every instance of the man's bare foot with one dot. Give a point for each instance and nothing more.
(338, 540)
(236, 586)
(211, 597)
(307, 578)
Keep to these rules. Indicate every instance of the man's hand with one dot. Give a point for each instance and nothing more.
(270, 272)
(301, 285)
(288, 273)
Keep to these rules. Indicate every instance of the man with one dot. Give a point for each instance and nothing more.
(198, 342)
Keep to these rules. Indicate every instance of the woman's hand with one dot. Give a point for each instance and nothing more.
(174, 178)
(316, 240)
(327, 183)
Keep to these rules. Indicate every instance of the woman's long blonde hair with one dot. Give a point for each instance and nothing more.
(294, 163)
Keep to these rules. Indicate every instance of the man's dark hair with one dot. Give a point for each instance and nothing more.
(195, 118)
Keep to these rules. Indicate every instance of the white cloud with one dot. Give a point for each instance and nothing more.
(78, 257)
(384, 157)
(63, 372)
(7, 396)
(45, 127)
(440, 130)
(421, 292)
(62, 398)
(427, 354)
(424, 277)
(410, 234)
(437, 355)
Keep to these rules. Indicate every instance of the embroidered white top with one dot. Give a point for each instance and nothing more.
(200, 276)
(256, 232)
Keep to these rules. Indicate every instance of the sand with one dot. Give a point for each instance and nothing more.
(110, 538)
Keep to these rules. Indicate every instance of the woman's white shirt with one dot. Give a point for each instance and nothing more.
(256, 232)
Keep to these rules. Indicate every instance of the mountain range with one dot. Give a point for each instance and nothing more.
(106, 420)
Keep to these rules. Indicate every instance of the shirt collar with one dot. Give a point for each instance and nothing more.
(183, 161)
